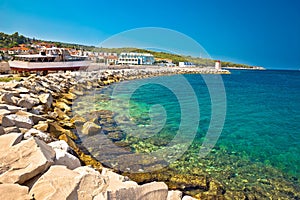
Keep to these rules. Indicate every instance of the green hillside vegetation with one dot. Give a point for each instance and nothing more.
(9, 41)
(15, 39)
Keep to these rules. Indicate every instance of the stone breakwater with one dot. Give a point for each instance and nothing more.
(39, 158)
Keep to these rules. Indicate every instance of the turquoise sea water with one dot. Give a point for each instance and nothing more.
(261, 133)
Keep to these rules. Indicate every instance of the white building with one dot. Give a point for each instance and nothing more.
(136, 59)
(186, 64)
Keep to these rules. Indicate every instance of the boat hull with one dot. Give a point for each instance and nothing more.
(48, 66)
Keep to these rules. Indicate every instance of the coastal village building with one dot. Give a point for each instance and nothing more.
(186, 64)
(111, 60)
(164, 62)
(136, 59)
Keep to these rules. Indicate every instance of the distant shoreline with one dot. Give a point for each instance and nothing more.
(244, 68)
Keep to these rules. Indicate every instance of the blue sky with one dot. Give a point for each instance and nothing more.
(257, 32)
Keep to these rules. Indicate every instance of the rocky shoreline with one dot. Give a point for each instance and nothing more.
(39, 156)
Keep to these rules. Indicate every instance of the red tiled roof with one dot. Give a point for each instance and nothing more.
(112, 57)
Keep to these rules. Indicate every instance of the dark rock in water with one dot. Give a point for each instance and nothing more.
(122, 144)
(115, 136)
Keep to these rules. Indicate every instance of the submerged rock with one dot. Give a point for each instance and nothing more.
(90, 128)
(78, 120)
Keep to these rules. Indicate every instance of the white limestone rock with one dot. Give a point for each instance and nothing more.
(25, 160)
(174, 195)
(8, 140)
(57, 183)
(92, 183)
(14, 192)
(154, 190)
(188, 198)
(39, 134)
(61, 149)
(82, 183)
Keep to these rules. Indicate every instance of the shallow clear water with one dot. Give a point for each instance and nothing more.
(261, 130)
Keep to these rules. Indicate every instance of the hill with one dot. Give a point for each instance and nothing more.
(15, 39)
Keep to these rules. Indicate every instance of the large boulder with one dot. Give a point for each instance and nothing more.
(90, 128)
(21, 121)
(121, 188)
(14, 192)
(25, 160)
(82, 183)
(10, 98)
(56, 130)
(116, 181)
(8, 140)
(92, 184)
(62, 184)
(154, 190)
(62, 157)
(39, 134)
(28, 102)
(174, 195)
(35, 118)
